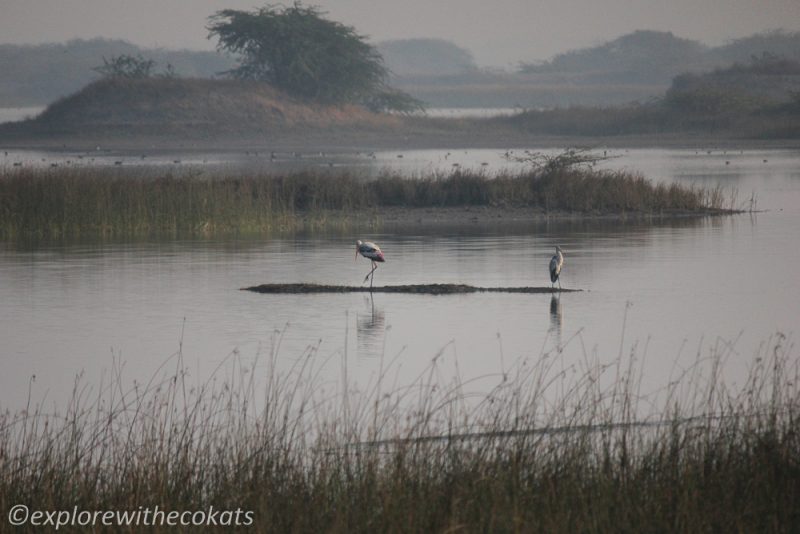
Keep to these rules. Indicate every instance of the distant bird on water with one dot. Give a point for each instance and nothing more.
(372, 252)
(556, 262)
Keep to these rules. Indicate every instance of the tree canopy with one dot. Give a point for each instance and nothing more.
(297, 50)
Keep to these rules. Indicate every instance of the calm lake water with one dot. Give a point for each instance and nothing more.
(664, 291)
(18, 114)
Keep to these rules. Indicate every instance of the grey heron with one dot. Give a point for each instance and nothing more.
(372, 252)
(556, 262)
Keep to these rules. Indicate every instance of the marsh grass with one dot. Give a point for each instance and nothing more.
(73, 202)
(548, 446)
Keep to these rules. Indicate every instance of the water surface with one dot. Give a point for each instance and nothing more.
(664, 291)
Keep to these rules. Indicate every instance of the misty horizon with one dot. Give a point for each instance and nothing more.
(508, 64)
(498, 35)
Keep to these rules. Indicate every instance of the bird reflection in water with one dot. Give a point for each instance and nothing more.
(370, 329)
(556, 317)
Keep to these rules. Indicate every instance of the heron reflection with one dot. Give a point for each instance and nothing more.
(556, 316)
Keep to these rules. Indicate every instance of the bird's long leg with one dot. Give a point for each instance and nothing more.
(559, 283)
(371, 278)
(369, 274)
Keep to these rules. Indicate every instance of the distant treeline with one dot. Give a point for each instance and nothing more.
(657, 57)
(33, 75)
(633, 67)
(759, 100)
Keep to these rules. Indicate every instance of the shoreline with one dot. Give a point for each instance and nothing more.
(395, 219)
(465, 215)
(348, 140)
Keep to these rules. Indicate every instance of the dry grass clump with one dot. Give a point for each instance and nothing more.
(551, 447)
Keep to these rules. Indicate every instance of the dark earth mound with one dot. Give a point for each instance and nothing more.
(421, 289)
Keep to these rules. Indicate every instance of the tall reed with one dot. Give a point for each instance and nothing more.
(550, 447)
(72, 202)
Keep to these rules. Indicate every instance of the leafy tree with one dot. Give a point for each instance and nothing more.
(296, 49)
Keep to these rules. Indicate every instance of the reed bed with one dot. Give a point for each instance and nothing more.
(549, 447)
(93, 202)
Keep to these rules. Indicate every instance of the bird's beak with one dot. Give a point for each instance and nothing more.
(356, 256)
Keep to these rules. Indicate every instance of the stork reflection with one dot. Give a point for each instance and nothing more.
(556, 317)
(370, 329)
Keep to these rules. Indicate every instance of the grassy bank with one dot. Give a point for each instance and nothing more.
(64, 202)
(775, 122)
(549, 448)
(184, 109)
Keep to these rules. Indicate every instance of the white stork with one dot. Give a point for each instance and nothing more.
(372, 252)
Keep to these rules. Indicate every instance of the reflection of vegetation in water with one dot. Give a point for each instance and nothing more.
(66, 202)
(551, 446)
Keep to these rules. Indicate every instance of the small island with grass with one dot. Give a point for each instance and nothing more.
(129, 202)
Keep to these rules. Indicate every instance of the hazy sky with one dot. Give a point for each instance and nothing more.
(498, 32)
